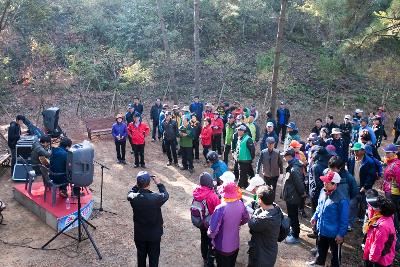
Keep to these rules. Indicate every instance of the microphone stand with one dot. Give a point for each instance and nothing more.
(100, 209)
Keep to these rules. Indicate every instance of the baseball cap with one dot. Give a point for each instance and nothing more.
(143, 178)
(289, 152)
(130, 106)
(331, 177)
(358, 146)
(312, 137)
(137, 114)
(242, 128)
(358, 111)
(254, 182)
(347, 117)
(270, 124)
(295, 144)
(331, 150)
(270, 140)
(390, 148)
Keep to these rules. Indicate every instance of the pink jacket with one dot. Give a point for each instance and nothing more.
(391, 171)
(203, 192)
(378, 235)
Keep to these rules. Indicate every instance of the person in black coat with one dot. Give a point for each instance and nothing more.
(318, 126)
(155, 117)
(137, 106)
(147, 218)
(282, 119)
(330, 124)
(14, 133)
(338, 143)
(171, 131)
(196, 130)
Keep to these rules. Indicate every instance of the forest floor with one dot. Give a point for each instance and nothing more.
(180, 244)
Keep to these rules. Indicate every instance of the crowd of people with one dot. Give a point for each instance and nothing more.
(335, 169)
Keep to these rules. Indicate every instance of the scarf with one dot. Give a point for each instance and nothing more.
(371, 221)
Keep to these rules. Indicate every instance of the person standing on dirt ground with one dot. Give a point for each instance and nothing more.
(330, 124)
(120, 132)
(186, 145)
(137, 132)
(282, 119)
(292, 193)
(129, 119)
(331, 219)
(381, 113)
(244, 154)
(196, 131)
(160, 125)
(155, 117)
(197, 107)
(217, 125)
(14, 133)
(147, 217)
(264, 225)
(229, 131)
(270, 164)
(171, 131)
(254, 129)
(206, 136)
(346, 129)
(225, 225)
(137, 106)
(205, 193)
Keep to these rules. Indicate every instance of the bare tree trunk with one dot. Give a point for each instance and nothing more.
(278, 48)
(3, 15)
(170, 66)
(196, 41)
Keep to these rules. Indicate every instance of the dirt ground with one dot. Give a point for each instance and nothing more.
(114, 235)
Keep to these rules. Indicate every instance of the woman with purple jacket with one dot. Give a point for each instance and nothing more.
(225, 225)
(119, 132)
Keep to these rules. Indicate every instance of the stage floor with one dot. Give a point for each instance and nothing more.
(56, 216)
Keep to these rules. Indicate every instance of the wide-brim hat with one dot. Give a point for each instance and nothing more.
(229, 190)
(175, 107)
(227, 177)
(254, 182)
(336, 131)
(359, 110)
(185, 108)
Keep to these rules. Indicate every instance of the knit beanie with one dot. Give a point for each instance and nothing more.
(206, 180)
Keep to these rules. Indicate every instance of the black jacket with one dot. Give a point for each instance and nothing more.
(138, 108)
(293, 187)
(170, 130)
(346, 129)
(14, 133)
(315, 184)
(147, 217)
(330, 127)
(155, 112)
(316, 130)
(196, 129)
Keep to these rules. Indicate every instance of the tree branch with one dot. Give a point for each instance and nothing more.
(3, 16)
(392, 27)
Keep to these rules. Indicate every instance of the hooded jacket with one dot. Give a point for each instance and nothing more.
(293, 187)
(320, 163)
(381, 241)
(391, 183)
(14, 133)
(206, 134)
(203, 192)
(332, 214)
(219, 167)
(264, 229)
(139, 133)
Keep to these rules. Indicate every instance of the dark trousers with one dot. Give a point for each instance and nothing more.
(147, 248)
(170, 149)
(396, 136)
(206, 248)
(324, 243)
(216, 143)
(373, 264)
(293, 214)
(163, 146)
(226, 261)
(205, 151)
(130, 142)
(227, 150)
(272, 181)
(236, 170)
(196, 143)
(138, 151)
(245, 172)
(155, 130)
(282, 128)
(187, 157)
(60, 179)
(120, 148)
(13, 159)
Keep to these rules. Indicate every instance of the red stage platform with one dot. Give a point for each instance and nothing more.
(56, 216)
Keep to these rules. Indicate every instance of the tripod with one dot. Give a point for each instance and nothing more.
(102, 166)
(81, 222)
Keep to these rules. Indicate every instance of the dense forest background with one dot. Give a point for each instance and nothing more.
(343, 51)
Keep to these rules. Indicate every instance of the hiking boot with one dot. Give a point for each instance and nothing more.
(291, 240)
(312, 235)
(169, 163)
(183, 168)
(143, 166)
(191, 170)
(135, 166)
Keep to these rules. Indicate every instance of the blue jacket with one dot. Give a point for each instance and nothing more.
(339, 145)
(129, 117)
(119, 129)
(332, 214)
(348, 185)
(263, 144)
(197, 108)
(58, 163)
(219, 168)
(367, 171)
(161, 119)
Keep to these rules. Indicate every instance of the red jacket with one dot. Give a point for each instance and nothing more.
(217, 126)
(208, 114)
(138, 134)
(205, 135)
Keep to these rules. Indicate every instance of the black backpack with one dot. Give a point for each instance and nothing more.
(200, 214)
(285, 227)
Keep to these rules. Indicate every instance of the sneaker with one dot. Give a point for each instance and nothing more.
(135, 166)
(153, 140)
(176, 164)
(183, 168)
(292, 240)
(123, 162)
(313, 263)
(314, 251)
(169, 163)
(191, 170)
(143, 166)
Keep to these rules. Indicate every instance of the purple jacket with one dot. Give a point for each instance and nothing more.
(225, 226)
(119, 129)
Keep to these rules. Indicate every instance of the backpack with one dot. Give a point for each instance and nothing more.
(199, 214)
(284, 228)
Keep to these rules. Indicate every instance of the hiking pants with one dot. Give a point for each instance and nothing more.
(120, 148)
(170, 149)
(293, 214)
(187, 157)
(226, 260)
(324, 243)
(138, 151)
(245, 172)
(196, 143)
(227, 150)
(206, 148)
(147, 248)
(280, 128)
(206, 248)
(216, 143)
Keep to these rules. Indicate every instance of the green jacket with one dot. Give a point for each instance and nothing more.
(186, 141)
(229, 130)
